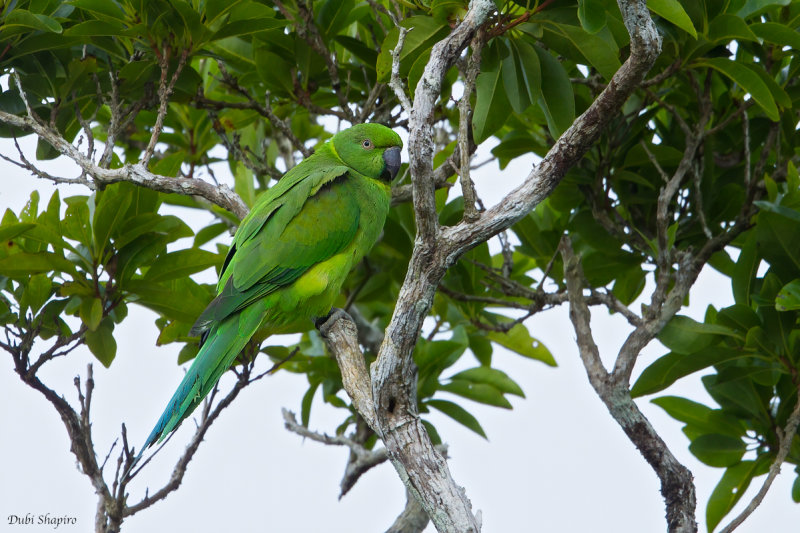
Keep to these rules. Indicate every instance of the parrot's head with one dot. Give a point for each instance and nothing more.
(371, 149)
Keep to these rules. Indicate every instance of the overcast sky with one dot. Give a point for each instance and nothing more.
(556, 463)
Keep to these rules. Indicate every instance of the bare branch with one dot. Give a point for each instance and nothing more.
(164, 93)
(136, 174)
(677, 486)
(413, 519)
(394, 82)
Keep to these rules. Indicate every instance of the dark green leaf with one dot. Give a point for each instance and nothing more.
(457, 413)
(491, 376)
(776, 33)
(685, 335)
(718, 450)
(668, 369)
(557, 100)
(491, 105)
(180, 264)
(730, 488)
(478, 392)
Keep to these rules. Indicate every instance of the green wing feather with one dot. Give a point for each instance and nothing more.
(300, 223)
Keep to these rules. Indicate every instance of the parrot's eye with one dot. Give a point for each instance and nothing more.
(367, 144)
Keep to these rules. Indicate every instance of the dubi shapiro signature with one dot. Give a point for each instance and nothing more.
(46, 519)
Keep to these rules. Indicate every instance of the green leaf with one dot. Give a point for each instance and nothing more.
(244, 184)
(700, 416)
(727, 27)
(673, 12)
(188, 352)
(478, 392)
(333, 16)
(25, 264)
(730, 488)
(744, 272)
(424, 32)
(519, 340)
(91, 312)
(491, 376)
(240, 28)
(666, 370)
(514, 81)
(557, 100)
(796, 489)
(10, 231)
(180, 264)
(491, 105)
(718, 450)
(457, 413)
(748, 80)
(685, 335)
(179, 299)
(597, 51)
(22, 18)
(169, 165)
(776, 33)
(100, 7)
(37, 291)
(109, 214)
(752, 7)
(95, 28)
(305, 406)
(101, 342)
(788, 299)
(592, 14)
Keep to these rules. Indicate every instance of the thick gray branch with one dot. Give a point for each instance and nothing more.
(573, 144)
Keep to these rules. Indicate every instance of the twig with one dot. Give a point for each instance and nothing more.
(164, 93)
(394, 81)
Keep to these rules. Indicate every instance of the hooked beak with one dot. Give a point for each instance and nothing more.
(392, 159)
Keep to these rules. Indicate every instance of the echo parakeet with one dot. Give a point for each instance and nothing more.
(291, 255)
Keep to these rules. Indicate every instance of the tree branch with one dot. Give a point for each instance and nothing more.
(136, 174)
(677, 486)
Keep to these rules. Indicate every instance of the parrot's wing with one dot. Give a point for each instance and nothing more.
(305, 224)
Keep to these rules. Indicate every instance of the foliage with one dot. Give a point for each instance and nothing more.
(269, 81)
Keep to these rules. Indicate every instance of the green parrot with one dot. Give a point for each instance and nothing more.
(291, 255)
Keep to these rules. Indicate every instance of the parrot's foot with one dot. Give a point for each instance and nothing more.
(325, 323)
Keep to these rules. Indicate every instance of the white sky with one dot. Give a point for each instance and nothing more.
(556, 463)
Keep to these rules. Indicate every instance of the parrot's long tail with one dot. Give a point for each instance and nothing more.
(224, 342)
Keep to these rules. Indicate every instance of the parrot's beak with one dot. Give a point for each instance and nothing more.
(392, 159)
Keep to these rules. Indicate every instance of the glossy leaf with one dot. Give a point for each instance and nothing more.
(673, 12)
(666, 370)
(557, 100)
(519, 340)
(459, 414)
(749, 81)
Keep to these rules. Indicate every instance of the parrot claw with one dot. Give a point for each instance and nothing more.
(324, 324)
